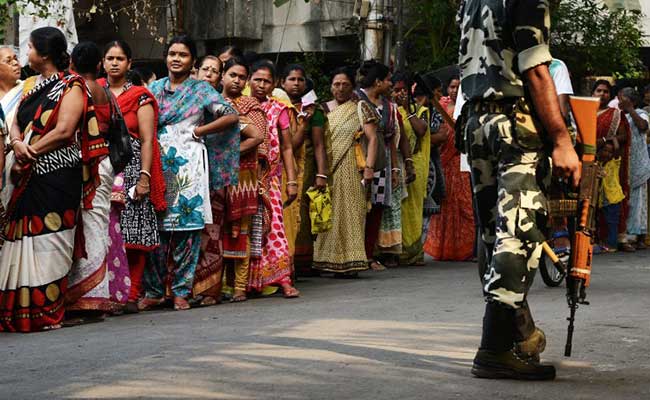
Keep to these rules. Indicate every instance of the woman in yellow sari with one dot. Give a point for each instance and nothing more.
(417, 132)
(342, 249)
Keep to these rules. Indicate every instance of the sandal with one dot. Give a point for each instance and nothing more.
(180, 304)
(376, 266)
(147, 303)
(291, 292)
(208, 301)
(238, 296)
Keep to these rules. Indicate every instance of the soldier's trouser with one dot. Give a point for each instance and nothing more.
(509, 172)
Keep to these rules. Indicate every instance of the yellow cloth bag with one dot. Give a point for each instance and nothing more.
(611, 185)
(320, 210)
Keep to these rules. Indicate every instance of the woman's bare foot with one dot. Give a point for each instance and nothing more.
(290, 292)
(238, 296)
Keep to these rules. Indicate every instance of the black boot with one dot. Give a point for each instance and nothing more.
(496, 357)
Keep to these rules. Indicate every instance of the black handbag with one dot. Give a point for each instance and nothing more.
(119, 140)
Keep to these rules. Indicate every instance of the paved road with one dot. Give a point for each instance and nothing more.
(408, 333)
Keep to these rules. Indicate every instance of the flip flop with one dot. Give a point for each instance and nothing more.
(292, 293)
(180, 304)
(147, 304)
(239, 299)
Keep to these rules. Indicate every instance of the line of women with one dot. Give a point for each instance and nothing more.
(213, 202)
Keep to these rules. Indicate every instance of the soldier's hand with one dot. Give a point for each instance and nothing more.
(566, 163)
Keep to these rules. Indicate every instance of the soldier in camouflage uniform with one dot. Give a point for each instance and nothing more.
(504, 57)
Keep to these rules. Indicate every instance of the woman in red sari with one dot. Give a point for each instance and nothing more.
(614, 128)
(57, 147)
(137, 218)
(451, 232)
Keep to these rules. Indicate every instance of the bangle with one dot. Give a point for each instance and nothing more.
(409, 159)
(370, 167)
(292, 183)
(195, 137)
(145, 172)
(411, 116)
(321, 176)
(396, 170)
(13, 142)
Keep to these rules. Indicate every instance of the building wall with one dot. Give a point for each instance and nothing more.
(317, 26)
(638, 5)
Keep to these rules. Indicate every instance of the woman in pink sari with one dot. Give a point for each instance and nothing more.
(274, 267)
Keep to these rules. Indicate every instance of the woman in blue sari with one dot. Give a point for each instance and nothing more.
(184, 103)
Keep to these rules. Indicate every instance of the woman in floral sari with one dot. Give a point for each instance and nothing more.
(183, 103)
(613, 128)
(57, 146)
(274, 267)
(342, 249)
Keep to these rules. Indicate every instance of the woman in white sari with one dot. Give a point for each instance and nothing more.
(11, 87)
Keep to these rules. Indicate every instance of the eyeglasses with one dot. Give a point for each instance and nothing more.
(213, 70)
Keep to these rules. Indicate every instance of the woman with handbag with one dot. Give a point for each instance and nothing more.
(138, 192)
(383, 223)
(341, 250)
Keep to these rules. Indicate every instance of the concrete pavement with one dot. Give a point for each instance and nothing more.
(408, 333)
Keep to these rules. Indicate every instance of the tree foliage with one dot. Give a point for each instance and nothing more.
(595, 40)
(142, 14)
(431, 33)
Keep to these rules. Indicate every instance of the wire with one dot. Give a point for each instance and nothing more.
(284, 29)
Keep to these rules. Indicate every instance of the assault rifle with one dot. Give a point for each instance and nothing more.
(583, 209)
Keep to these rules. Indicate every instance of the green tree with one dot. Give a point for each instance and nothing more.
(431, 33)
(595, 40)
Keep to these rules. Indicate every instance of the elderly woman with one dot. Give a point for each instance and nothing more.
(630, 102)
(11, 88)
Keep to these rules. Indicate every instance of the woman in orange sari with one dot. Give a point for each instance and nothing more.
(452, 231)
(613, 128)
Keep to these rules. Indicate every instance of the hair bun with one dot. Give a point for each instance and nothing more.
(63, 60)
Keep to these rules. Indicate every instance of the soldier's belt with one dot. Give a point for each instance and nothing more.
(494, 107)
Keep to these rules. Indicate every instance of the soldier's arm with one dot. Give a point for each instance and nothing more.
(531, 36)
(545, 102)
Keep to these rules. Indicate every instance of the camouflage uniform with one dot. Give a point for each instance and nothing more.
(510, 168)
